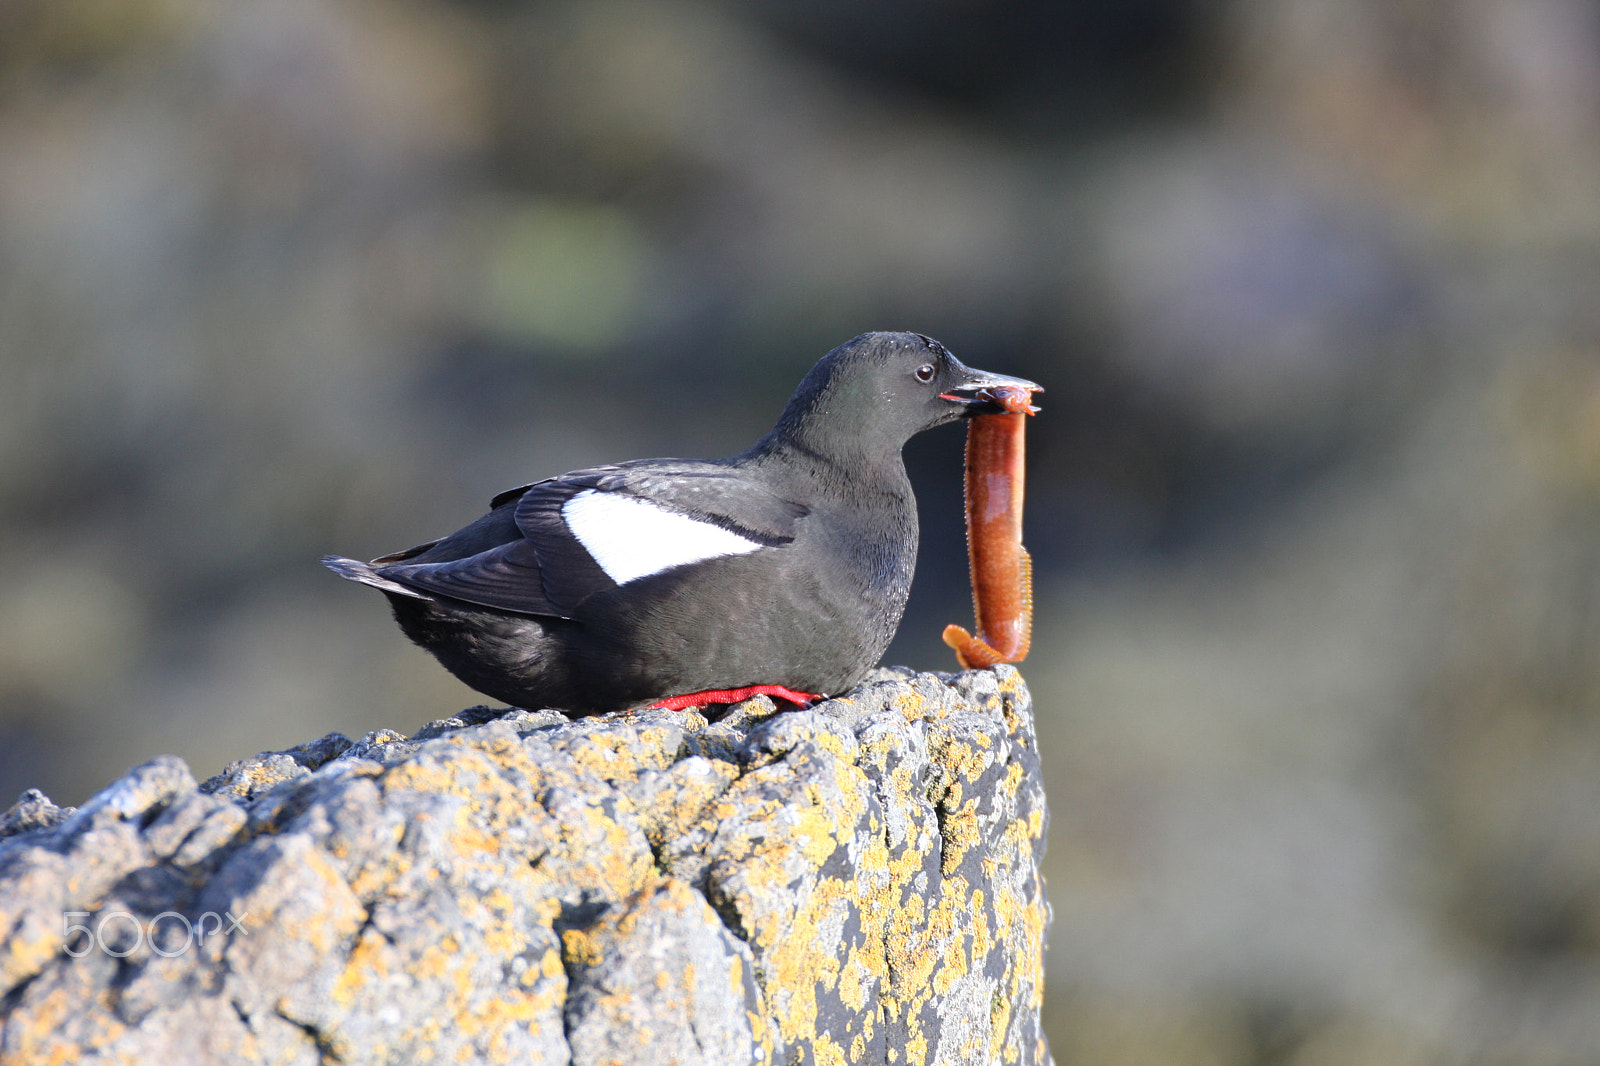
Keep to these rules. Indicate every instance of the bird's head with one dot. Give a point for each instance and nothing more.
(879, 390)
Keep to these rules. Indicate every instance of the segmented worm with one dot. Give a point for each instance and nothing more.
(1002, 572)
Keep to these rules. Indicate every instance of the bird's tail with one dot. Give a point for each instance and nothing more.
(355, 570)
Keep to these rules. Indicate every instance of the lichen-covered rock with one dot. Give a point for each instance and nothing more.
(856, 883)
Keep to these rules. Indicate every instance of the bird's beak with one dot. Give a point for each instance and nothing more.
(983, 393)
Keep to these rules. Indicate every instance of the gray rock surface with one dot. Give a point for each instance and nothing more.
(855, 883)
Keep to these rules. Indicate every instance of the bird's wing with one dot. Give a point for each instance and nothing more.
(507, 577)
(592, 530)
(709, 492)
(599, 528)
(488, 562)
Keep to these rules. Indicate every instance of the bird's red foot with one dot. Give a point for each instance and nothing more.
(734, 695)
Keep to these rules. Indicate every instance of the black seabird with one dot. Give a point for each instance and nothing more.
(682, 582)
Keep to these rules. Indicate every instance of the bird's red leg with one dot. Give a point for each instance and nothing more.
(1002, 572)
(734, 695)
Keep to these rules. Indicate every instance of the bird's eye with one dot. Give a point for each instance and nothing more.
(925, 372)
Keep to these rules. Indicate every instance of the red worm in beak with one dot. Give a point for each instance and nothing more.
(1002, 573)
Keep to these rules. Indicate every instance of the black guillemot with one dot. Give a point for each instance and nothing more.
(685, 582)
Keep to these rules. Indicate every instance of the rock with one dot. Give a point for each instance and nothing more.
(33, 810)
(858, 882)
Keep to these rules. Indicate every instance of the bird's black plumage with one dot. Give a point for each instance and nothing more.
(617, 586)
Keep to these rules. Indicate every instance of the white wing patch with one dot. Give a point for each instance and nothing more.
(632, 538)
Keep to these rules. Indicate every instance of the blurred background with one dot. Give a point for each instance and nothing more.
(1313, 285)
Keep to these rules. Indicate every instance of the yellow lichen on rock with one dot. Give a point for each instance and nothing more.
(857, 882)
